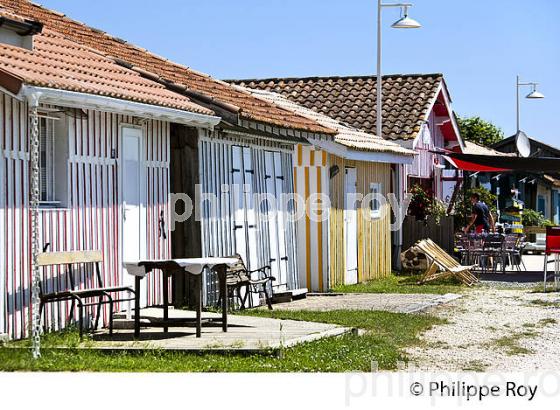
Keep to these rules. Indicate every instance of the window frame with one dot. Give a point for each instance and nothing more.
(53, 132)
(374, 205)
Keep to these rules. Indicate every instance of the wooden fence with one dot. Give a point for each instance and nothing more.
(441, 233)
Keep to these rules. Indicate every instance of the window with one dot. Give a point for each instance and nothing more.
(375, 205)
(46, 160)
(53, 159)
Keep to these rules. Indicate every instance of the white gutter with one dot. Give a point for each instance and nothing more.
(109, 104)
(359, 155)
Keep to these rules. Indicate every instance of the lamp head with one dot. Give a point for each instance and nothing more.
(534, 94)
(405, 21)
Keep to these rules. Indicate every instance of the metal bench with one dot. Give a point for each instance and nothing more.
(102, 294)
(238, 277)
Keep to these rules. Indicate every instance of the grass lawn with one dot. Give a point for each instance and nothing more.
(403, 284)
(387, 334)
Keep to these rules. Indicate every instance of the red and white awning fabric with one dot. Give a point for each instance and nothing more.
(496, 163)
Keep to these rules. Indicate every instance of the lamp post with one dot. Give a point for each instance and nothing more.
(534, 94)
(403, 22)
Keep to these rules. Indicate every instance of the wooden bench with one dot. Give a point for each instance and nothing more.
(102, 294)
(238, 277)
(443, 265)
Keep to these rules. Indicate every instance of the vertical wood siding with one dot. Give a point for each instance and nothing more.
(90, 220)
(374, 235)
(423, 164)
(218, 233)
(311, 176)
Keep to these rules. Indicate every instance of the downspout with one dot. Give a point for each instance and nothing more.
(397, 235)
(33, 104)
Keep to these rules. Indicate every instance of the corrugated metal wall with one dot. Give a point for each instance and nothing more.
(219, 167)
(92, 216)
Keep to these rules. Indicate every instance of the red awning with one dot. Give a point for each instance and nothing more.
(496, 163)
(471, 166)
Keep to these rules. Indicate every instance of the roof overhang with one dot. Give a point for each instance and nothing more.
(108, 104)
(10, 82)
(342, 151)
(442, 90)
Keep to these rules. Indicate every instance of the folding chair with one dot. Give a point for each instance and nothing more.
(443, 265)
(552, 248)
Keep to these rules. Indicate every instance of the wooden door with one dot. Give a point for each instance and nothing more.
(350, 226)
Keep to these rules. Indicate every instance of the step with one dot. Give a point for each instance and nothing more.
(282, 297)
(300, 293)
(128, 323)
(3, 337)
(289, 295)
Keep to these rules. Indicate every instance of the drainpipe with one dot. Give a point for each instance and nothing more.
(33, 104)
(398, 234)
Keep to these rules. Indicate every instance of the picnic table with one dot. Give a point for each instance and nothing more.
(189, 266)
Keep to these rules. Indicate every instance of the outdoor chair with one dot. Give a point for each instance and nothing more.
(443, 265)
(462, 246)
(493, 252)
(81, 297)
(552, 248)
(240, 278)
(513, 247)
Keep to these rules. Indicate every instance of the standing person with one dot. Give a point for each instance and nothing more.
(481, 216)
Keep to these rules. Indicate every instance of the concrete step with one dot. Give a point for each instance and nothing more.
(289, 295)
(300, 293)
(128, 323)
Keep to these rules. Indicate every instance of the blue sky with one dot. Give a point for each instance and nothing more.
(479, 45)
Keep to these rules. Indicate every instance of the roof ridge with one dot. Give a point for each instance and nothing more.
(331, 77)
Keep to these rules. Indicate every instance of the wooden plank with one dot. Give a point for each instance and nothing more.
(62, 258)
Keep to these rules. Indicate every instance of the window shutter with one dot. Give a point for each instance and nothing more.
(46, 159)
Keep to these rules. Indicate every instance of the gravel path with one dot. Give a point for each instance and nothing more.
(494, 329)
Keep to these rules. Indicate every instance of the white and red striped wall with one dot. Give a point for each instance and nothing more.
(92, 216)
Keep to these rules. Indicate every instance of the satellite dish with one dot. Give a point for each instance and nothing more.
(523, 144)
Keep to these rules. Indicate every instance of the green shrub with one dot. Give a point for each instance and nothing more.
(463, 209)
(535, 218)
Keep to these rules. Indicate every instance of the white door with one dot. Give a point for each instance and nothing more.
(131, 196)
(350, 226)
(244, 214)
(277, 220)
(3, 305)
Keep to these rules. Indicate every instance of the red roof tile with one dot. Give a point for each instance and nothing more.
(251, 108)
(352, 100)
(56, 62)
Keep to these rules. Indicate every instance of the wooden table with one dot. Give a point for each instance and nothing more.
(190, 266)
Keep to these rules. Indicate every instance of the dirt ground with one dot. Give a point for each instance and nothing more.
(494, 328)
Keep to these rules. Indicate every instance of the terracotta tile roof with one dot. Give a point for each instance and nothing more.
(476, 149)
(59, 63)
(347, 136)
(352, 100)
(248, 107)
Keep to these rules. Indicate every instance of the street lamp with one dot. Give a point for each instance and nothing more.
(534, 94)
(403, 22)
